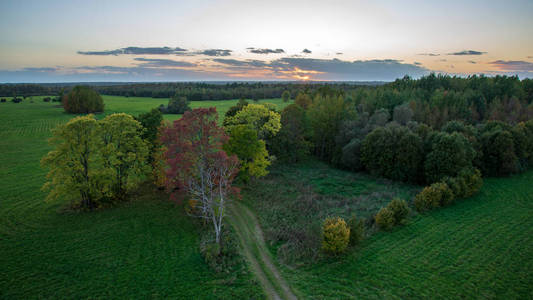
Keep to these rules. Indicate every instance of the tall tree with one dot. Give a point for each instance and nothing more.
(197, 164)
(124, 152)
(73, 164)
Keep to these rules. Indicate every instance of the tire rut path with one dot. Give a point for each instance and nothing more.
(256, 253)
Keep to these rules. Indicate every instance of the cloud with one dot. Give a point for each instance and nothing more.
(249, 63)
(339, 53)
(286, 68)
(472, 62)
(215, 52)
(41, 69)
(530, 57)
(137, 51)
(429, 54)
(307, 51)
(417, 63)
(264, 50)
(513, 65)
(467, 52)
(158, 63)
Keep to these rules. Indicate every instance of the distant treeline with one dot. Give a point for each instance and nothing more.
(193, 91)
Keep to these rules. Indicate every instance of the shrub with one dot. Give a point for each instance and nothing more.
(47, 99)
(222, 257)
(457, 185)
(473, 181)
(399, 209)
(385, 218)
(433, 196)
(357, 230)
(83, 99)
(16, 100)
(335, 235)
(3, 100)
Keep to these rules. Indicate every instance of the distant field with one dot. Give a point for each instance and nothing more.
(147, 248)
(480, 247)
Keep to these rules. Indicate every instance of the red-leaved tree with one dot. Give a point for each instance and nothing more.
(197, 164)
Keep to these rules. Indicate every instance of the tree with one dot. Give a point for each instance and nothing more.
(498, 153)
(198, 165)
(303, 100)
(326, 114)
(176, 105)
(292, 143)
(82, 99)
(449, 154)
(124, 152)
(151, 121)
(403, 114)
(260, 118)
(73, 164)
(286, 96)
(393, 152)
(250, 150)
(232, 111)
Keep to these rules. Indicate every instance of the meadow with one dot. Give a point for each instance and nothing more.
(480, 247)
(145, 248)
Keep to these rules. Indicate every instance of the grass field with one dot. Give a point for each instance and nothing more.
(144, 248)
(480, 247)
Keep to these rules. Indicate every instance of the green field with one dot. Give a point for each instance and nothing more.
(144, 248)
(480, 247)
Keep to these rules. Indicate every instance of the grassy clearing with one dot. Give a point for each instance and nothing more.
(480, 247)
(293, 200)
(144, 248)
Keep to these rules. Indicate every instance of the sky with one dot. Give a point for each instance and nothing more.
(348, 40)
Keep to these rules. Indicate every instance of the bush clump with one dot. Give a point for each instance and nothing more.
(83, 99)
(357, 230)
(222, 257)
(385, 218)
(3, 100)
(466, 184)
(47, 99)
(16, 100)
(399, 209)
(335, 235)
(433, 196)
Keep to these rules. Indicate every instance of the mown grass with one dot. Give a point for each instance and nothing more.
(480, 247)
(146, 248)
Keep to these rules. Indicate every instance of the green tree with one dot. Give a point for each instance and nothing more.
(326, 115)
(74, 173)
(286, 96)
(124, 153)
(393, 152)
(292, 143)
(177, 105)
(250, 150)
(151, 122)
(303, 100)
(83, 99)
(259, 117)
(449, 154)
